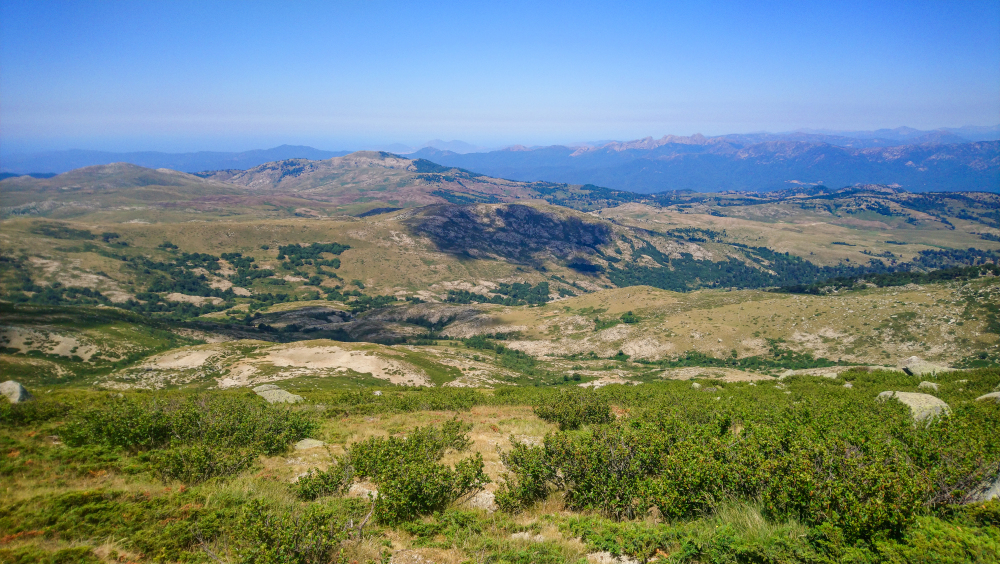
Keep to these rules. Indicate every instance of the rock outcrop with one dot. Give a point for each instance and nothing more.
(923, 407)
(916, 366)
(15, 392)
(993, 397)
(306, 444)
(274, 394)
(928, 385)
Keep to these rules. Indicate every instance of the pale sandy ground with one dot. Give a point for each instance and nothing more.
(294, 359)
(724, 374)
(196, 300)
(49, 343)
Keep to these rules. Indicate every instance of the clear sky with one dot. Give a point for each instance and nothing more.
(182, 76)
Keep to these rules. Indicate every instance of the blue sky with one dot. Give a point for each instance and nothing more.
(181, 76)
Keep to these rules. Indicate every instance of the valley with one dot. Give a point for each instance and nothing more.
(513, 345)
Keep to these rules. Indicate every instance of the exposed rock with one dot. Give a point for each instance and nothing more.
(362, 490)
(696, 386)
(608, 558)
(274, 394)
(308, 443)
(990, 397)
(848, 385)
(483, 500)
(916, 366)
(923, 407)
(15, 392)
(929, 385)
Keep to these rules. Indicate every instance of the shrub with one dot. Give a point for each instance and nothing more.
(410, 479)
(30, 412)
(528, 477)
(574, 408)
(316, 483)
(193, 439)
(311, 537)
(198, 462)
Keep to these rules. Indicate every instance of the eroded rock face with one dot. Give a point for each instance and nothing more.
(916, 366)
(923, 407)
(15, 392)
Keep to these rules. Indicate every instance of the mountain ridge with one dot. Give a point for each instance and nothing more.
(725, 163)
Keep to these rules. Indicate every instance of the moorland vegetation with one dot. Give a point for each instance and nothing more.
(483, 370)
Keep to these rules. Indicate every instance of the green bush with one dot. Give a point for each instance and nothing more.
(30, 412)
(821, 455)
(527, 479)
(193, 463)
(190, 439)
(410, 479)
(574, 408)
(268, 537)
(316, 483)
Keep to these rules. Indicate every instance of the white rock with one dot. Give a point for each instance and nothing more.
(606, 557)
(266, 387)
(15, 392)
(308, 443)
(696, 386)
(277, 395)
(848, 385)
(483, 500)
(990, 397)
(923, 407)
(916, 366)
(929, 385)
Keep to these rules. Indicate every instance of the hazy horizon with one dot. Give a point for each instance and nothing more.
(186, 76)
(413, 147)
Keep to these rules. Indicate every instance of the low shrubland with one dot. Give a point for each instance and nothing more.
(802, 470)
(189, 438)
(407, 471)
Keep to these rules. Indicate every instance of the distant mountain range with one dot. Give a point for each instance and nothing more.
(756, 162)
(955, 159)
(64, 161)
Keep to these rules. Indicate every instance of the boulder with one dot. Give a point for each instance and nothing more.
(916, 366)
(606, 557)
(928, 385)
(15, 392)
(484, 500)
(305, 444)
(923, 407)
(274, 394)
(696, 386)
(993, 397)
